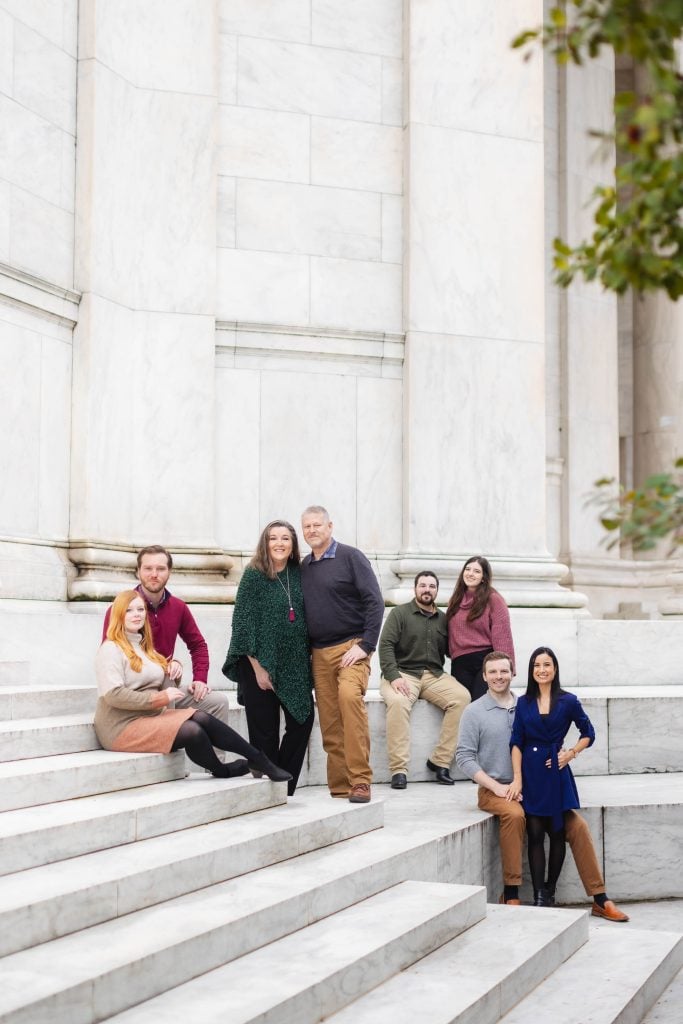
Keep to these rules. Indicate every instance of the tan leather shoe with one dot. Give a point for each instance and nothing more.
(509, 903)
(610, 912)
(360, 794)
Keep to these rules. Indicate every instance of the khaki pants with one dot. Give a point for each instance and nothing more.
(512, 822)
(445, 693)
(339, 694)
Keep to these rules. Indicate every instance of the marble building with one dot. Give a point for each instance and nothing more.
(261, 253)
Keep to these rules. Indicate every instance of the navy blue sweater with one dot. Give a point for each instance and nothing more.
(342, 599)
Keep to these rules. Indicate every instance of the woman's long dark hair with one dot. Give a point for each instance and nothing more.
(533, 690)
(481, 595)
(262, 560)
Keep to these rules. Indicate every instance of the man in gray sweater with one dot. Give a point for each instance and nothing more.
(483, 755)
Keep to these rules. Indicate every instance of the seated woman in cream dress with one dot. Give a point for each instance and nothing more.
(135, 709)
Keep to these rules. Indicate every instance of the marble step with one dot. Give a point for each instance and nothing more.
(614, 979)
(43, 737)
(307, 976)
(32, 836)
(478, 976)
(89, 975)
(44, 780)
(43, 701)
(84, 891)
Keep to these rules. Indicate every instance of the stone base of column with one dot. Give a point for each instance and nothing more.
(199, 575)
(672, 607)
(612, 584)
(524, 583)
(34, 571)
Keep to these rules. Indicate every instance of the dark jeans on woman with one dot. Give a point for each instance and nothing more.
(263, 721)
(467, 669)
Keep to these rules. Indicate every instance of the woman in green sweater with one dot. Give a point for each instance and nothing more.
(269, 654)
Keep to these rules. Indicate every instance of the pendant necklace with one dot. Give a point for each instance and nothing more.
(288, 592)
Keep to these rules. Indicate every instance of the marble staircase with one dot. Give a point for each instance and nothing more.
(133, 893)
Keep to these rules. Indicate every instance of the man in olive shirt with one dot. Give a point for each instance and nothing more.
(412, 648)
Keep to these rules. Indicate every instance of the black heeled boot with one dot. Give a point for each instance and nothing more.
(540, 898)
(549, 896)
(231, 770)
(262, 765)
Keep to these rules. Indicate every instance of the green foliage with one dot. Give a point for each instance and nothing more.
(646, 516)
(638, 238)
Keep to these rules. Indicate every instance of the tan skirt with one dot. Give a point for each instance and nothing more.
(152, 734)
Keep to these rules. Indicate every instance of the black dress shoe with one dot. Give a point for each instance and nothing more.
(399, 781)
(442, 775)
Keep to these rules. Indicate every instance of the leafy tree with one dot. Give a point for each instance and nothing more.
(644, 516)
(638, 238)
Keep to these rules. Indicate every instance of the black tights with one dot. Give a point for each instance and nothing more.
(536, 828)
(201, 733)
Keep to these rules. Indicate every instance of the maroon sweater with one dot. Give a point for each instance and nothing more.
(492, 629)
(169, 620)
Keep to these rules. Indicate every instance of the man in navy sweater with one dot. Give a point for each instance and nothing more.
(344, 610)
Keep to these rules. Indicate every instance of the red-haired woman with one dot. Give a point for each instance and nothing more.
(478, 623)
(135, 707)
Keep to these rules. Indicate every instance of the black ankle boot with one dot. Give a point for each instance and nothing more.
(549, 896)
(231, 770)
(540, 898)
(262, 765)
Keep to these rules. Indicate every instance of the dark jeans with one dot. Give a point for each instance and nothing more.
(263, 721)
(467, 669)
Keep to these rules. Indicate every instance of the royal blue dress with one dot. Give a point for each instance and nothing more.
(548, 792)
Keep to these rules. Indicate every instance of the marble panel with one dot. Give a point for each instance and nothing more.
(392, 229)
(225, 213)
(596, 759)
(237, 446)
(6, 53)
(293, 472)
(356, 295)
(108, 341)
(623, 653)
(392, 91)
(133, 175)
(55, 438)
(155, 45)
(309, 79)
(44, 78)
(370, 26)
(379, 440)
(303, 219)
(270, 144)
(645, 735)
(350, 154)
(19, 403)
(646, 871)
(5, 221)
(262, 286)
(476, 254)
(657, 379)
(32, 150)
(444, 513)
(227, 69)
(67, 196)
(45, 16)
(41, 238)
(483, 86)
(289, 20)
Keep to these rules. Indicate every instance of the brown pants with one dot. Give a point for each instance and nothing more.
(339, 694)
(512, 823)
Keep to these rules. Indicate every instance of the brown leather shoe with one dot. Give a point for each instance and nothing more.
(509, 903)
(610, 912)
(360, 794)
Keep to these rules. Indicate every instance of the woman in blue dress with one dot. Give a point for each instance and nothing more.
(541, 766)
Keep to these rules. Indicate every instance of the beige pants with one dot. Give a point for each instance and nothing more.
(441, 690)
(339, 694)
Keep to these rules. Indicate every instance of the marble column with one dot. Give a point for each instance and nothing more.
(143, 391)
(588, 326)
(474, 392)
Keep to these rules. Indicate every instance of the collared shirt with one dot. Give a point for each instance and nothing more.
(484, 739)
(413, 641)
(329, 553)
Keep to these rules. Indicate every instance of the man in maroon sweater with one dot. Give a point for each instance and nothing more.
(170, 618)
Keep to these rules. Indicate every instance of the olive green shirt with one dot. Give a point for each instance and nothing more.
(412, 642)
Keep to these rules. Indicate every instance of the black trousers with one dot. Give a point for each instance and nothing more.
(467, 669)
(263, 721)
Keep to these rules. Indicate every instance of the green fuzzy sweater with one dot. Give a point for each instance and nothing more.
(261, 629)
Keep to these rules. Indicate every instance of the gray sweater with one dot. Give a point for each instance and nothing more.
(484, 739)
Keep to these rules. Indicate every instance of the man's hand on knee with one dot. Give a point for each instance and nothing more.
(400, 686)
(198, 689)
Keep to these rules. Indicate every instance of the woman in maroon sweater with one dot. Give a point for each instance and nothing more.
(478, 623)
